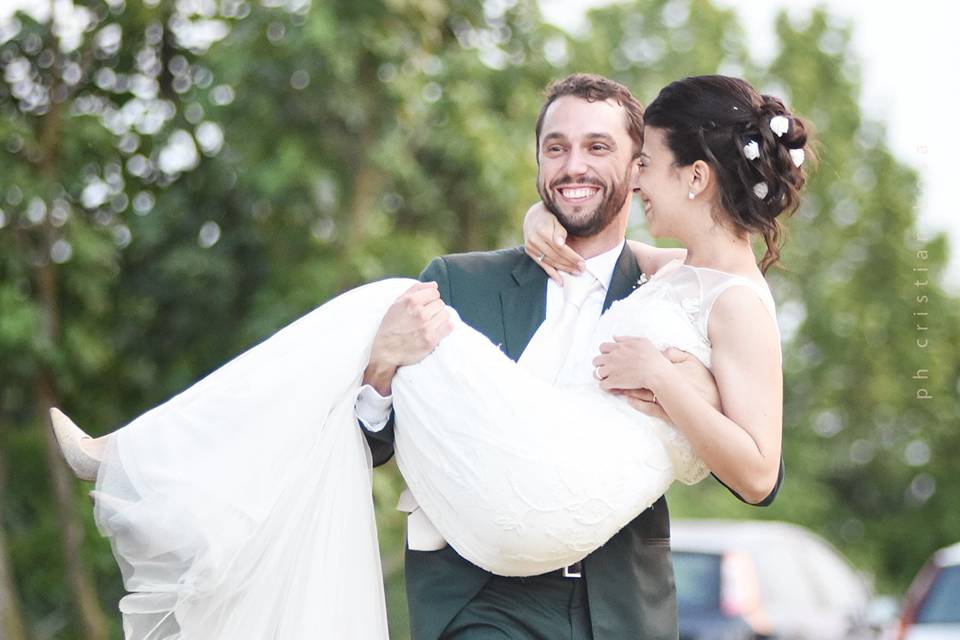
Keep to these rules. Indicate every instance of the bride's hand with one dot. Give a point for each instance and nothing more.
(643, 401)
(634, 366)
(544, 240)
(629, 363)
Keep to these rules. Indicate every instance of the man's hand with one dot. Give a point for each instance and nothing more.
(696, 375)
(411, 329)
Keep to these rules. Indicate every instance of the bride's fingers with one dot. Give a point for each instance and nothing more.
(566, 259)
(638, 394)
(561, 257)
(557, 257)
(641, 394)
(607, 347)
(649, 408)
(532, 249)
(552, 273)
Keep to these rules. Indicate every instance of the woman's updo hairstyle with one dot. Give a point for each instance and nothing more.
(717, 119)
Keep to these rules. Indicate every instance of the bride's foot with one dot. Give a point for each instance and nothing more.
(82, 453)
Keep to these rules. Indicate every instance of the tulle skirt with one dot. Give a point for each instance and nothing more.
(241, 508)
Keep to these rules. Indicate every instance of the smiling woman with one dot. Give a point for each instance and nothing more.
(719, 164)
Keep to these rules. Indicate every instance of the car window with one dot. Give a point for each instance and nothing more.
(698, 580)
(942, 604)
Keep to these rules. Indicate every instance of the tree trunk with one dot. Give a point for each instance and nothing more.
(93, 622)
(11, 620)
(79, 578)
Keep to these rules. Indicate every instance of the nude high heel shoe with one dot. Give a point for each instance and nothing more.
(84, 465)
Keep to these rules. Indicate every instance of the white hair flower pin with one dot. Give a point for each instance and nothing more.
(751, 150)
(779, 125)
(760, 190)
(798, 156)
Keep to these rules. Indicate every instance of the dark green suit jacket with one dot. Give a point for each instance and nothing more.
(629, 580)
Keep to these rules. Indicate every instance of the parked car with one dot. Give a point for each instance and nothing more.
(931, 608)
(747, 580)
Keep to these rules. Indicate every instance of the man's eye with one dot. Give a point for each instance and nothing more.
(554, 148)
(599, 147)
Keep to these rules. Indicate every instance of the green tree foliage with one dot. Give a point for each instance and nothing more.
(182, 179)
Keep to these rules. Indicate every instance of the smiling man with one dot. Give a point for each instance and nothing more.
(587, 142)
(589, 136)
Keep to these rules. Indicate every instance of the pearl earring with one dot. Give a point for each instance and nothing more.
(690, 195)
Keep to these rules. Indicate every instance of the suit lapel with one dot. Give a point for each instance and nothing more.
(626, 273)
(524, 306)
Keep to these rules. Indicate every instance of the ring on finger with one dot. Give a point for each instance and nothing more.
(596, 373)
(541, 257)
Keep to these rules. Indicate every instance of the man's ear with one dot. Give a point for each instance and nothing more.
(701, 177)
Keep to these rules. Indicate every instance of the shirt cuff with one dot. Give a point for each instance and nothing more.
(372, 409)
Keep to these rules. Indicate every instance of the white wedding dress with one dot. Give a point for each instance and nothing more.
(241, 509)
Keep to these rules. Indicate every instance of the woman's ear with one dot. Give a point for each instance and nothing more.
(701, 175)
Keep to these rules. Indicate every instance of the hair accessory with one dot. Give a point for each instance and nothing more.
(751, 150)
(760, 190)
(798, 156)
(779, 125)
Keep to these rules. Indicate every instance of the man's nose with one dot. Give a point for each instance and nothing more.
(576, 164)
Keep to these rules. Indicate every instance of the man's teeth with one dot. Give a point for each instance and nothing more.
(576, 194)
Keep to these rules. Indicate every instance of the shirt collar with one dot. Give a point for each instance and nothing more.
(602, 266)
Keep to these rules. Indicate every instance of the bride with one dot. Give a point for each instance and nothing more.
(241, 508)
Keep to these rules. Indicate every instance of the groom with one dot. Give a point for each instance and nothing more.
(589, 135)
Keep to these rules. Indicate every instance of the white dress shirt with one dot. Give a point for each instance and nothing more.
(373, 410)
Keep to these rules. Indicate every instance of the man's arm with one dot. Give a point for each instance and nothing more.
(410, 330)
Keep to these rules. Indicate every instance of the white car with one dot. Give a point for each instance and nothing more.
(748, 579)
(931, 608)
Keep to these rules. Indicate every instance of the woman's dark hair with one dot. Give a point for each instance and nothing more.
(712, 118)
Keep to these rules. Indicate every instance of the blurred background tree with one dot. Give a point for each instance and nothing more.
(183, 178)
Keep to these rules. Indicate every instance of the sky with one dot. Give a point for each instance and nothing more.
(907, 55)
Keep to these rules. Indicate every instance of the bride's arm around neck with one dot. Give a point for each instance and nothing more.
(651, 258)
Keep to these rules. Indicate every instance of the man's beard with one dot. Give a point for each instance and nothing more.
(586, 226)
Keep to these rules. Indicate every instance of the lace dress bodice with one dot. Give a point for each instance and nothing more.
(672, 308)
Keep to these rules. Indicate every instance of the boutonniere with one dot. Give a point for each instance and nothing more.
(642, 281)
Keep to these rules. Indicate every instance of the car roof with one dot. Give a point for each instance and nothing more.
(949, 556)
(717, 536)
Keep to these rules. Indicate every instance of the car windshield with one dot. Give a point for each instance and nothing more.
(698, 580)
(940, 605)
